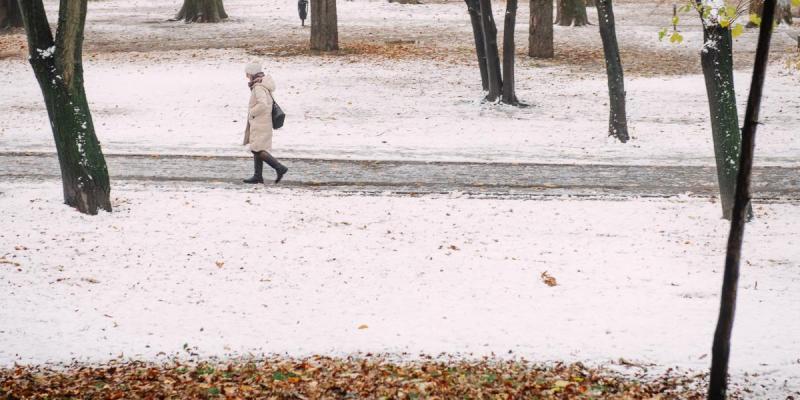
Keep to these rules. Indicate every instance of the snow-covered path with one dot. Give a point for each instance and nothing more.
(259, 270)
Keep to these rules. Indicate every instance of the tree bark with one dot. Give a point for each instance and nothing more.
(490, 45)
(324, 25)
(572, 12)
(783, 12)
(718, 381)
(716, 59)
(201, 11)
(509, 22)
(57, 64)
(473, 7)
(618, 120)
(540, 32)
(10, 15)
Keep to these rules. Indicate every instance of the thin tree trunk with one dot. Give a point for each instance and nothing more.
(324, 25)
(202, 11)
(618, 120)
(480, 48)
(716, 59)
(717, 389)
(492, 57)
(572, 12)
(10, 15)
(509, 95)
(58, 67)
(540, 33)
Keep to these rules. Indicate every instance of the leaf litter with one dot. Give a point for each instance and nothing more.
(320, 377)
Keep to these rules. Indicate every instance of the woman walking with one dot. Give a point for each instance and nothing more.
(258, 134)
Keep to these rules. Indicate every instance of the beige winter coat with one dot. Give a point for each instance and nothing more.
(258, 133)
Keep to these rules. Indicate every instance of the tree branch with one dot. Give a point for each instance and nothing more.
(69, 37)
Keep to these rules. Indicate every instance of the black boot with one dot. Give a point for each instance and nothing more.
(279, 168)
(258, 168)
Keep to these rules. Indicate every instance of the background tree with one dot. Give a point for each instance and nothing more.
(57, 64)
(473, 7)
(618, 120)
(572, 12)
(324, 25)
(509, 93)
(484, 30)
(540, 30)
(10, 15)
(489, 29)
(718, 381)
(201, 11)
(783, 12)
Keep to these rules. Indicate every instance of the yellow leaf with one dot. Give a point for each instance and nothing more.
(737, 30)
(363, 326)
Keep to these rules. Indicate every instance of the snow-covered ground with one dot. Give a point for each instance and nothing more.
(399, 109)
(233, 270)
(183, 91)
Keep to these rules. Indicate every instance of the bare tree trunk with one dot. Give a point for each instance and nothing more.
(540, 33)
(10, 15)
(717, 389)
(201, 11)
(509, 95)
(490, 44)
(480, 48)
(572, 12)
(57, 64)
(618, 120)
(324, 25)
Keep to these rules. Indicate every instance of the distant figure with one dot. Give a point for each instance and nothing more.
(258, 134)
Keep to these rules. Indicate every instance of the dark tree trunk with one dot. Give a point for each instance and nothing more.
(572, 12)
(490, 45)
(717, 62)
(58, 67)
(324, 25)
(509, 95)
(10, 15)
(618, 120)
(718, 381)
(480, 49)
(540, 33)
(201, 11)
(783, 12)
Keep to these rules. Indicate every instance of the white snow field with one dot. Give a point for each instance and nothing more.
(235, 271)
(168, 87)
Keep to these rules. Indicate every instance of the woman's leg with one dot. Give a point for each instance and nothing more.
(258, 169)
(279, 168)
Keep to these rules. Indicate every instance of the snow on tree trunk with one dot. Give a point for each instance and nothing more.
(509, 95)
(572, 12)
(202, 11)
(58, 68)
(10, 16)
(324, 25)
(473, 7)
(720, 351)
(716, 58)
(490, 45)
(618, 120)
(540, 33)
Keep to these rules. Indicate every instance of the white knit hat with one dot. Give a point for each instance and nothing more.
(252, 68)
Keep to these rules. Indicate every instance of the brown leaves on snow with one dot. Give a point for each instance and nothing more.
(548, 279)
(335, 378)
